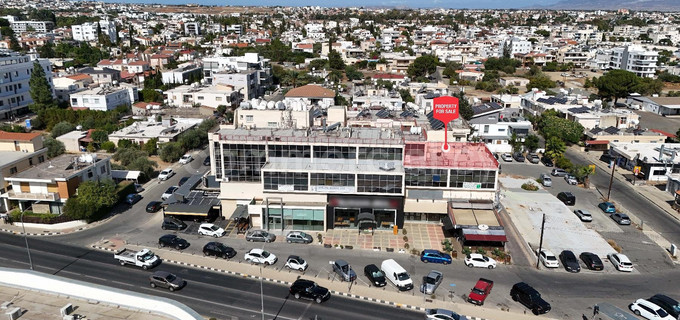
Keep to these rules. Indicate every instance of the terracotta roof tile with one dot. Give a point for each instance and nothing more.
(18, 136)
(310, 91)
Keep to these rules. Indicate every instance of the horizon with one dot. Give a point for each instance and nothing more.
(397, 4)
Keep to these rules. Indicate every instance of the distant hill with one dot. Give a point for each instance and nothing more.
(640, 5)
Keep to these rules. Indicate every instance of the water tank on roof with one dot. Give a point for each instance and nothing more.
(255, 101)
(245, 105)
(280, 105)
(271, 104)
(262, 105)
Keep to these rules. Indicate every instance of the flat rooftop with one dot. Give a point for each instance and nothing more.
(61, 167)
(151, 129)
(466, 155)
(651, 151)
(335, 135)
(9, 157)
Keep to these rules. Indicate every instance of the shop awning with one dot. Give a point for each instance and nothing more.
(425, 206)
(485, 238)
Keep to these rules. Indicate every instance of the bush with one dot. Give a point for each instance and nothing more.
(54, 147)
(529, 186)
(171, 151)
(406, 246)
(124, 143)
(415, 252)
(62, 128)
(109, 146)
(405, 239)
(403, 231)
(481, 251)
(467, 250)
(614, 245)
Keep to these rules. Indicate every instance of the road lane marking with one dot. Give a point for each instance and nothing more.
(305, 311)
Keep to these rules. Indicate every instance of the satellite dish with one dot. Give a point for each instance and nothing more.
(483, 227)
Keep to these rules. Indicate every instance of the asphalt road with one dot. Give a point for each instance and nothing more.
(210, 294)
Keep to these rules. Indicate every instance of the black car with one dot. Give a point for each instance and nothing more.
(153, 206)
(569, 261)
(183, 180)
(219, 250)
(170, 223)
(206, 162)
(546, 161)
(530, 298)
(518, 156)
(308, 289)
(567, 197)
(667, 303)
(375, 275)
(171, 240)
(592, 261)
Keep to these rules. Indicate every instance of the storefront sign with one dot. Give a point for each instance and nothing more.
(334, 189)
(446, 110)
(472, 185)
(286, 187)
(357, 202)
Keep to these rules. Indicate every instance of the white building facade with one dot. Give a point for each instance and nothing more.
(15, 74)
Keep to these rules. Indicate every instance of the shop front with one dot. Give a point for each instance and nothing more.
(353, 212)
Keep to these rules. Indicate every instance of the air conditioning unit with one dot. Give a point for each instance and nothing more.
(13, 314)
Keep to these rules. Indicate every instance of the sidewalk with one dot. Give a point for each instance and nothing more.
(43, 306)
(277, 273)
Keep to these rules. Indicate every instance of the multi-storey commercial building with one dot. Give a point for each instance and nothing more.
(634, 59)
(15, 73)
(342, 177)
(88, 31)
(35, 26)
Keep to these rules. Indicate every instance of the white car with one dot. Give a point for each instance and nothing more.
(649, 310)
(479, 261)
(166, 174)
(620, 262)
(209, 229)
(570, 179)
(169, 192)
(185, 159)
(296, 263)
(442, 314)
(259, 256)
(584, 215)
(548, 259)
(506, 157)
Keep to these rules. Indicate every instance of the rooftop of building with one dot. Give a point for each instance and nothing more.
(648, 152)
(333, 133)
(103, 90)
(61, 167)
(310, 91)
(18, 136)
(151, 129)
(460, 155)
(9, 157)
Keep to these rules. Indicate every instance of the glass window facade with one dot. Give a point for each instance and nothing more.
(332, 179)
(289, 151)
(286, 181)
(218, 161)
(423, 177)
(335, 152)
(296, 219)
(380, 153)
(377, 183)
(473, 179)
(243, 162)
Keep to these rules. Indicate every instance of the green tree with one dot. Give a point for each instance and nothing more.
(406, 95)
(100, 136)
(144, 165)
(40, 90)
(171, 151)
(47, 50)
(125, 144)
(318, 64)
(151, 146)
(221, 109)
(465, 109)
(61, 128)
(423, 66)
(54, 147)
(14, 44)
(554, 148)
(335, 61)
(127, 155)
(353, 74)
(582, 173)
(95, 195)
(541, 82)
(150, 95)
(191, 139)
(515, 143)
(616, 84)
(564, 163)
(109, 146)
(565, 129)
(531, 142)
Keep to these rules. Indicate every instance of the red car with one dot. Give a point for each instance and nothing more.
(481, 290)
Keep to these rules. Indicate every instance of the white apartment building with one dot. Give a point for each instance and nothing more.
(517, 45)
(634, 59)
(192, 28)
(104, 98)
(495, 125)
(36, 26)
(184, 73)
(244, 81)
(247, 63)
(88, 31)
(15, 73)
(210, 96)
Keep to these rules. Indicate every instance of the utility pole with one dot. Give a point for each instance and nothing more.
(611, 178)
(540, 244)
(23, 227)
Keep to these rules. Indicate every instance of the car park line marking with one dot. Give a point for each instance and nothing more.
(305, 311)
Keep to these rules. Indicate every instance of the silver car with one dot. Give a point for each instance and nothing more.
(620, 218)
(260, 235)
(166, 280)
(298, 237)
(570, 179)
(431, 282)
(584, 215)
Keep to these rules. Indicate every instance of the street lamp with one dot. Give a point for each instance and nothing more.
(30, 262)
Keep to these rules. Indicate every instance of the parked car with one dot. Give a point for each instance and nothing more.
(607, 207)
(584, 215)
(298, 237)
(569, 261)
(218, 249)
(182, 181)
(620, 262)
(435, 256)
(344, 270)
(567, 198)
(546, 161)
(548, 259)
(186, 159)
(396, 274)
(546, 181)
(431, 282)
(480, 291)
(260, 236)
(518, 156)
(592, 261)
(307, 289)
(530, 298)
(533, 158)
(506, 157)
(133, 198)
(649, 310)
(166, 280)
(571, 179)
(171, 240)
(206, 161)
(169, 192)
(138, 188)
(258, 256)
(296, 263)
(153, 206)
(211, 230)
(479, 261)
(620, 218)
(557, 172)
(669, 304)
(170, 223)
(166, 174)
(375, 276)
(442, 314)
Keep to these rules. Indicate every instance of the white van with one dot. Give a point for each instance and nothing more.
(397, 275)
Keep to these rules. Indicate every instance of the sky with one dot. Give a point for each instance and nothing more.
(478, 4)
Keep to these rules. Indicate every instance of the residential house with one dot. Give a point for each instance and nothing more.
(188, 96)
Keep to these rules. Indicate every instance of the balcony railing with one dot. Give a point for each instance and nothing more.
(50, 196)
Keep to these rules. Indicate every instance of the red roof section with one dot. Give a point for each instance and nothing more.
(597, 142)
(18, 136)
(464, 155)
(667, 134)
(388, 76)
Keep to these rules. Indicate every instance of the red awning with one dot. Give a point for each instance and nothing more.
(597, 142)
(486, 237)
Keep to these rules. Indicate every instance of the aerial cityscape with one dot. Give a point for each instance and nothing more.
(490, 160)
